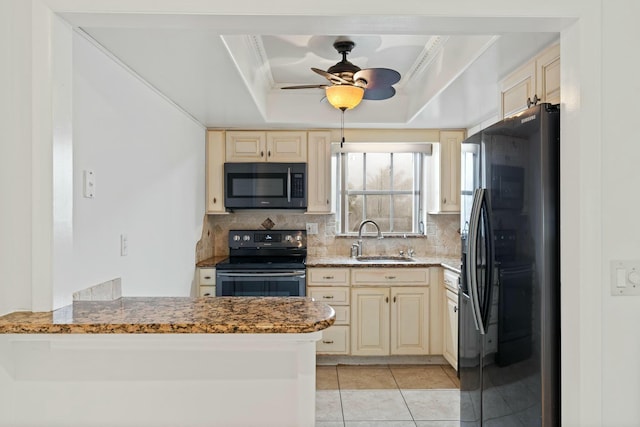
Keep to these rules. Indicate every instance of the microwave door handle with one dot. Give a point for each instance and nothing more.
(289, 185)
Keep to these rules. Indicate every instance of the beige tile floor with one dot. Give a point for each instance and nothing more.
(387, 396)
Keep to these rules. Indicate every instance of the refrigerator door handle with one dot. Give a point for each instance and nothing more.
(472, 262)
(488, 291)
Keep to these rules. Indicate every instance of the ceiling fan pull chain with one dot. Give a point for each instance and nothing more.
(342, 128)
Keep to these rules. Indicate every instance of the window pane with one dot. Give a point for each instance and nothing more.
(403, 213)
(354, 212)
(379, 210)
(403, 171)
(378, 171)
(355, 174)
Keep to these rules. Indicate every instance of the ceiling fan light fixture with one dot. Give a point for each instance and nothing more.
(344, 97)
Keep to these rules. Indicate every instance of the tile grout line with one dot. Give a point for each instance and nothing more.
(344, 422)
(402, 395)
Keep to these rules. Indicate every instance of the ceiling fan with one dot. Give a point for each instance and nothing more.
(349, 84)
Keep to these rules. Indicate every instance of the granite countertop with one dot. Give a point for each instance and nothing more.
(157, 315)
(211, 262)
(351, 262)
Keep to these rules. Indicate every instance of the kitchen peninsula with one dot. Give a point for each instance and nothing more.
(163, 362)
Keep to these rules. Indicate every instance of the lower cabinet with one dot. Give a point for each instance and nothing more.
(331, 285)
(390, 320)
(450, 351)
(206, 282)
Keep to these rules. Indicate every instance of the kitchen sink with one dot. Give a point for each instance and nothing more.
(384, 258)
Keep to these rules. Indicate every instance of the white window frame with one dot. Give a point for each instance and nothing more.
(341, 194)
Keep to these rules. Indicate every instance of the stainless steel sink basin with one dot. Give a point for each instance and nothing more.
(383, 258)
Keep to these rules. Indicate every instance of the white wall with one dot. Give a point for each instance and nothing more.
(148, 161)
(15, 155)
(621, 206)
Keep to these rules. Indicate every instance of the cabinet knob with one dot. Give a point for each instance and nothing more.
(327, 296)
(386, 299)
(262, 154)
(327, 201)
(327, 277)
(207, 294)
(269, 153)
(207, 277)
(327, 342)
(394, 299)
(455, 308)
(389, 277)
(215, 200)
(444, 200)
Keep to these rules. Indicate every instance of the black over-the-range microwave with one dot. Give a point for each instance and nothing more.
(265, 185)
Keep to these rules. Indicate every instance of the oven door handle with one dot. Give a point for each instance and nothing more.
(258, 274)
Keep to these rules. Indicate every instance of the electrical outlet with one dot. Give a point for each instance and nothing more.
(312, 228)
(124, 245)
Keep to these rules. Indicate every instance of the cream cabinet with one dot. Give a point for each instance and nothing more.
(206, 282)
(389, 311)
(444, 177)
(450, 321)
(319, 172)
(331, 285)
(392, 320)
(537, 79)
(260, 146)
(215, 172)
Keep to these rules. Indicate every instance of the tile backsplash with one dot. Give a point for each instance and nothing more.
(442, 239)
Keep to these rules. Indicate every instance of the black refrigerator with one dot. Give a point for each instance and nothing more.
(509, 299)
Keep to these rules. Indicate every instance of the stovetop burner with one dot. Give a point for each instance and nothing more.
(266, 250)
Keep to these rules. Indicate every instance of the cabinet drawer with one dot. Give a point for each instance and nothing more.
(207, 291)
(207, 276)
(335, 340)
(451, 281)
(342, 314)
(328, 276)
(390, 276)
(450, 295)
(337, 296)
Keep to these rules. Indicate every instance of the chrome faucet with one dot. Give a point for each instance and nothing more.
(362, 224)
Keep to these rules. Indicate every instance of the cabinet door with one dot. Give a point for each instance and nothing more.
(517, 88)
(246, 146)
(548, 75)
(450, 352)
(319, 172)
(215, 172)
(370, 322)
(410, 320)
(287, 147)
(444, 176)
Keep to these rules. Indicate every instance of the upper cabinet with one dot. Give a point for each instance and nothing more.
(214, 172)
(444, 177)
(537, 80)
(319, 173)
(259, 146)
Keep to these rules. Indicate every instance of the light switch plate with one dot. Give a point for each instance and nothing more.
(625, 277)
(89, 184)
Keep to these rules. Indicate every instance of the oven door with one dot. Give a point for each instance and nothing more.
(260, 283)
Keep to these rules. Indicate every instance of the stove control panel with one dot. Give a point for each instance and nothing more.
(267, 239)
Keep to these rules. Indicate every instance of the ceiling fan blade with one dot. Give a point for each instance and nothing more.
(379, 93)
(305, 87)
(377, 77)
(330, 77)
